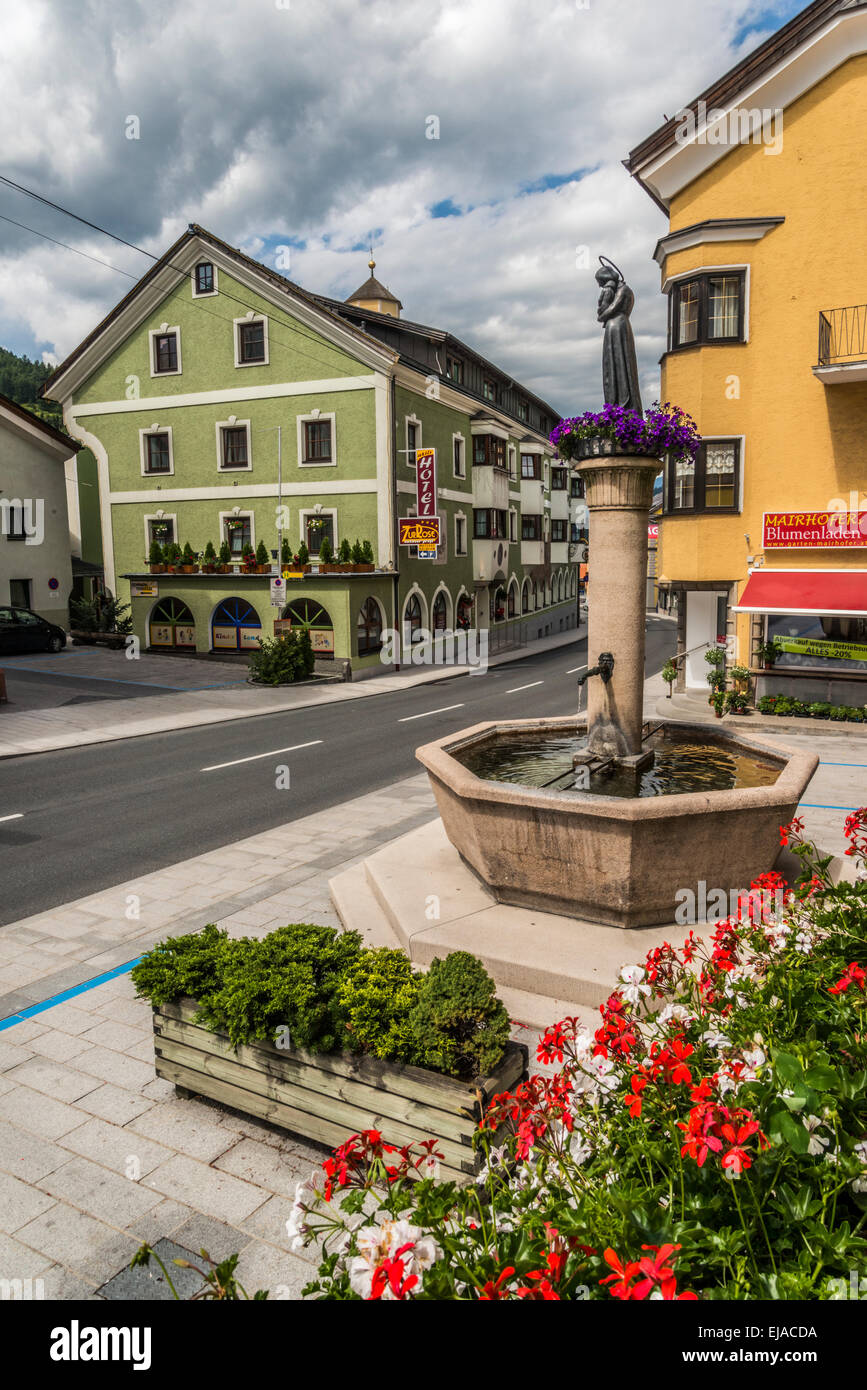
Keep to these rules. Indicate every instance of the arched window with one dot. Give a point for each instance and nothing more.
(309, 615)
(369, 627)
(525, 596)
(574, 584)
(535, 596)
(172, 625)
(465, 612)
(440, 613)
(235, 626)
(512, 601)
(498, 604)
(412, 619)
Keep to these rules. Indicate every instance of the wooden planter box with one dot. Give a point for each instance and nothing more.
(328, 1097)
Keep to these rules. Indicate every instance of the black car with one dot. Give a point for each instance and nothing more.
(24, 631)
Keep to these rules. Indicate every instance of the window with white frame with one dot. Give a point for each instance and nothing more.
(316, 441)
(413, 439)
(238, 531)
(315, 526)
(156, 451)
(460, 535)
(165, 346)
(204, 280)
(251, 341)
(459, 455)
(233, 444)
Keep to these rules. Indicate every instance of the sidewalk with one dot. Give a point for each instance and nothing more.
(96, 1154)
(226, 697)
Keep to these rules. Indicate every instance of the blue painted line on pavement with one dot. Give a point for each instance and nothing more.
(66, 995)
(824, 764)
(819, 806)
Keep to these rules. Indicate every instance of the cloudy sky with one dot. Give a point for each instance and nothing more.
(305, 124)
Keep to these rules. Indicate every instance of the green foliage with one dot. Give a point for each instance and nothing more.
(219, 1281)
(104, 613)
(344, 553)
(20, 380)
(377, 996)
(155, 554)
(736, 701)
(358, 553)
(787, 706)
(461, 1025)
(326, 551)
(263, 555)
(247, 552)
(332, 995)
(367, 553)
(669, 673)
(285, 552)
(225, 553)
(740, 673)
(303, 554)
(767, 652)
(210, 555)
(172, 553)
(188, 555)
(282, 660)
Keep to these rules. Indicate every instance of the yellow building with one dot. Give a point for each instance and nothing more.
(764, 183)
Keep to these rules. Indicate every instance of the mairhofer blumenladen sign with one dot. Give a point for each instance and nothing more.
(828, 530)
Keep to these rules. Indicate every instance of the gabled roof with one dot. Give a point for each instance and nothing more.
(23, 418)
(768, 63)
(178, 259)
(372, 289)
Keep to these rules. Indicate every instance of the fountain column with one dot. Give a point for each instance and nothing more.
(619, 495)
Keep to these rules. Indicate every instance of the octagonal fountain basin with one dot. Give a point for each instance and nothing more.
(621, 850)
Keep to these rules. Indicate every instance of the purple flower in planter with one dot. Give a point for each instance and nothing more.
(663, 429)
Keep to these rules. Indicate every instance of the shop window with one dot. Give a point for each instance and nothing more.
(235, 626)
(172, 625)
(440, 613)
(412, 619)
(369, 627)
(309, 616)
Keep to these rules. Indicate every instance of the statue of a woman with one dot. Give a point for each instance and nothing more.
(619, 365)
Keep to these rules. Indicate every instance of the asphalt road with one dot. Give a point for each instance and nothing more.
(83, 819)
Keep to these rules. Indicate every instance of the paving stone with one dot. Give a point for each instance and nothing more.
(18, 1261)
(88, 1247)
(58, 1046)
(136, 1013)
(115, 1104)
(205, 1233)
(106, 1195)
(117, 1068)
(26, 1156)
(143, 1051)
(121, 1150)
(215, 1194)
(269, 1223)
(116, 1036)
(66, 1018)
(24, 1033)
(185, 1126)
(20, 1203)
(262, 1266)
(264, 1166)
(161, 1220)
(10, 1055)
(37, 1113)
(60, 1283)
(53, 1079)
(158, 1089)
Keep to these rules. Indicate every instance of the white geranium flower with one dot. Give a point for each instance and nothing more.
(632, 977)
(818, 1143)
(381, 1242)
(674, 1013)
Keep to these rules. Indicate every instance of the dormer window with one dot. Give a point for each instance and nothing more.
(455, 370)
(523, 410)
(204, 279)
(489, 390)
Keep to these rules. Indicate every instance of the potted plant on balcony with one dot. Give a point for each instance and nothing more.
(302, 559)
(767, 653)
(209, 559)
(172, 557)
(248, 558)
(344, 556)
(286, 557)
(225, 557)
(263, 558)
(188, 560)
(155, 558)
(360, 563)
(367, 561)
(326, 556)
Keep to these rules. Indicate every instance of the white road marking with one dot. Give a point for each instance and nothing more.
(516, 688)
(410, 717)
(575, 670)
(256, 756)
(17, 816)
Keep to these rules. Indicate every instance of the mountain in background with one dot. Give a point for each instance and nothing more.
(20, 380)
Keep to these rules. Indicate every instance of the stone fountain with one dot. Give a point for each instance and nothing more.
(540, 874)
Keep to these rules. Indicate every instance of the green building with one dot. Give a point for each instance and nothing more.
(224, 404)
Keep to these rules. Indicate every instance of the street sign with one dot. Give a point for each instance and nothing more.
(143, 588)
(421, 531)
(426, 554)
(278, 592)
(426, 481)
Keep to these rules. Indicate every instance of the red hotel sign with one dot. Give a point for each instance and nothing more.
(814, 530)
(426, 481)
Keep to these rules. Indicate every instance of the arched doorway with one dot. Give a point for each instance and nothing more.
(235, 626)
(308, 615)
(369, 627)
(440, 612)
(172, 625)
(413, 621)
(465, 613)
(512, 605)
(525, 596)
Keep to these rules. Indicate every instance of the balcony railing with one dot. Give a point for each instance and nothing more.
(843, 335)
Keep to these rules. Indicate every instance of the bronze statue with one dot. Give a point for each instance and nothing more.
(619, 365)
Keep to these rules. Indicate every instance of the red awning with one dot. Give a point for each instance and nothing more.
(820, 592)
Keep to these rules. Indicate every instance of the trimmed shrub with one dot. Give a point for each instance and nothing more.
(460, 1023)
(282, 660)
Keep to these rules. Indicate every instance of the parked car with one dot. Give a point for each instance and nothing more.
(24, 631)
